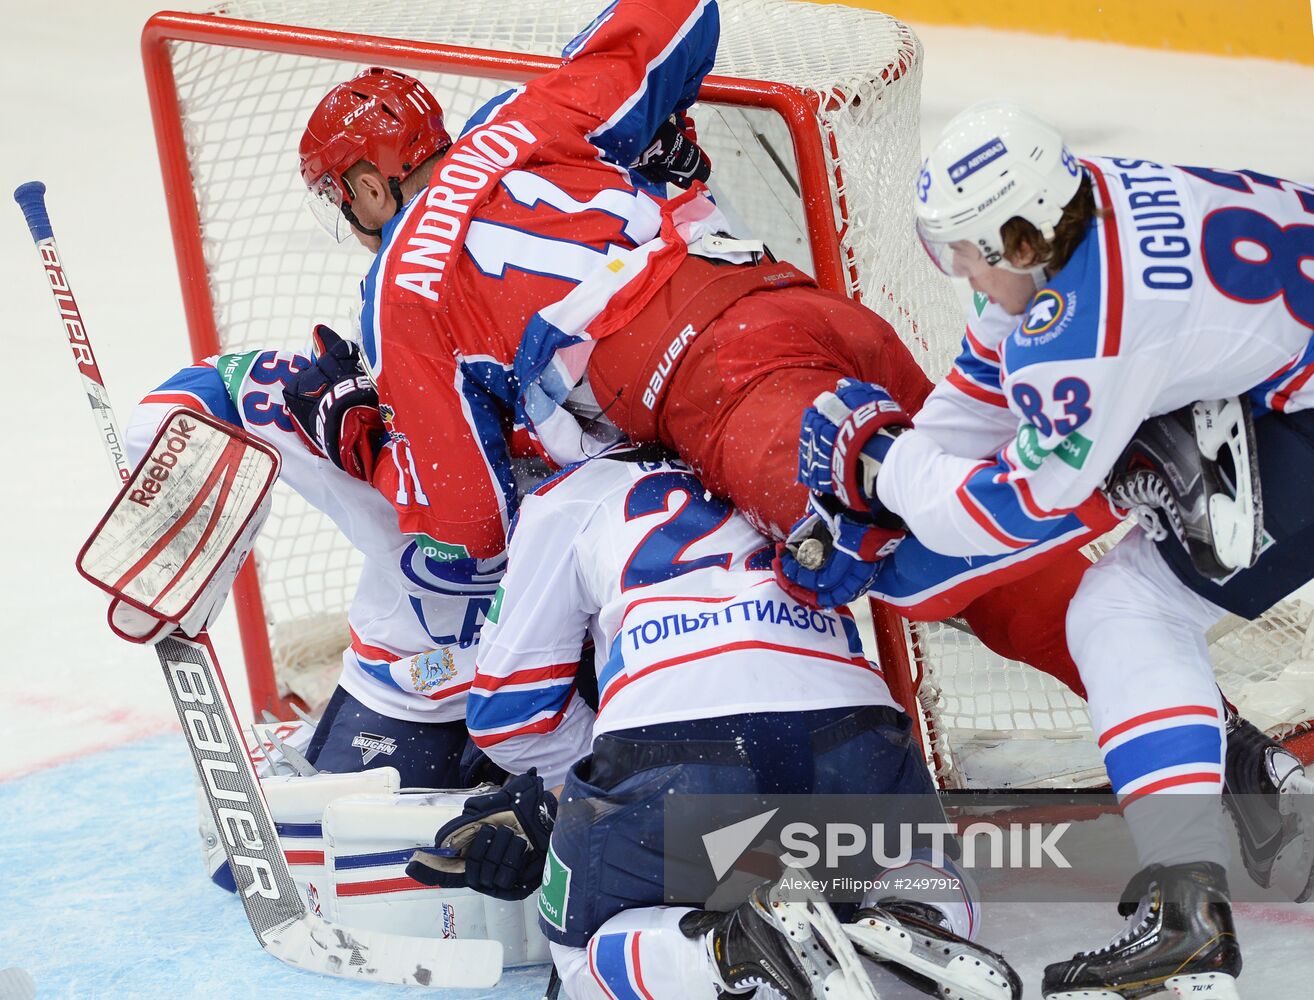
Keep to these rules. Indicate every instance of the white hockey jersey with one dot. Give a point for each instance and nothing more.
(678, 595)
(1196, 285)
(414, 621)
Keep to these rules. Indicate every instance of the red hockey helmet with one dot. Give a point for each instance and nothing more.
(382, 116)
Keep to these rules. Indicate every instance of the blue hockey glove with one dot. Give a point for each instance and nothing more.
(832, 555)
(497, 846)
(845, 437)
(674, 156)
(336, 407)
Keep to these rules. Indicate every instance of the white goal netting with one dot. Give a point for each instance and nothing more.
(272, 274)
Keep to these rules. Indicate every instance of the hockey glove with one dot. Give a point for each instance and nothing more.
(336, 406)
(845, 437)
(674, 156)
(497, 846)
(832, 555)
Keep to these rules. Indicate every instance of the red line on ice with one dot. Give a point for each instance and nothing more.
(130, 726)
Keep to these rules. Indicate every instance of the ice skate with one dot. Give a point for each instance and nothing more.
(1262, 782)
(798, 949)
(913, 941)
(1179, 938)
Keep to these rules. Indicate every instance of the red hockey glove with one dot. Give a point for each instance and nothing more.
(336, 406)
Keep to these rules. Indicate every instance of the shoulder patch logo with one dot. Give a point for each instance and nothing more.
(430, 671)
(979, 302)
(1045, 312)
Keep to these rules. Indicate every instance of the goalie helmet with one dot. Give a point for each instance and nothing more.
(992, 162)
(382, 116)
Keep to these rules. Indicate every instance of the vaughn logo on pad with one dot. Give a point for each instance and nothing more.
(371, 745)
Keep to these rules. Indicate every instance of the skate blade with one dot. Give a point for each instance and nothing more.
(817, 938)
(959, 971)
(1209, 985)
(1293, 868)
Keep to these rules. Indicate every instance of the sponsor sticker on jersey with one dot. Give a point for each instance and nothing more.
(434, 549)
(232, 369)
(1073, 450)
(556, 890)
(495, 611)
(976, 159)
(979, 302)
(371, 745)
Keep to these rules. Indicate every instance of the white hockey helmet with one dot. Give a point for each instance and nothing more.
(992, 162)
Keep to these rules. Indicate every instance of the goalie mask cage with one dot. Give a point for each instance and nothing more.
(811, 121)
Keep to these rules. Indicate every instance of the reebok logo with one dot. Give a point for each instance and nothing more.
(371, 745)
(166, 458)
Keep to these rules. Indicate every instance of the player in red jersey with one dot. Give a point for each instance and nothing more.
(535, 287)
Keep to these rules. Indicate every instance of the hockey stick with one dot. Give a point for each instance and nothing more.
(273, 905)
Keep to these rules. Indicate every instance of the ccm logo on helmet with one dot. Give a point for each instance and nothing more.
(349, 118)
(977, 159)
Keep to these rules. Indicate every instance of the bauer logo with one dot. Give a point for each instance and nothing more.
(976, 159)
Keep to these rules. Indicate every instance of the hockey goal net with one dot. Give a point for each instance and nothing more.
(811, 120)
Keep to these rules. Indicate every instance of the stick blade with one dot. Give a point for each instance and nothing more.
(312, 944)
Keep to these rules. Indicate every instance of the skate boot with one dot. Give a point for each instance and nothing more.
(1179, 938)
(1262, 780)
(796, 949)
(913, 941)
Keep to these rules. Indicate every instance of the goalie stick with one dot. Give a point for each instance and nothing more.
(278, 915)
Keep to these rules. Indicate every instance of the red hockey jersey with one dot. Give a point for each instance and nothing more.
(529, 205)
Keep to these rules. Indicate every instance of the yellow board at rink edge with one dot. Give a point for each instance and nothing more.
(1264, 29)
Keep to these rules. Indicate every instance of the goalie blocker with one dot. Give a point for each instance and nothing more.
(170, 546)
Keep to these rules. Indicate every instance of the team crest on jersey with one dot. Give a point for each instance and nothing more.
(430, 671)
(1047, 309)
(371, 745)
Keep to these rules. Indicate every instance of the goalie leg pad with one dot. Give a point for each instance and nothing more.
(296, 805)
(368, 841)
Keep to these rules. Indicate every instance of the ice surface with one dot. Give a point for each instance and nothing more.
(101, 891)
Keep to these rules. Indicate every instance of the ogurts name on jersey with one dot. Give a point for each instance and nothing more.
(1160, 239)
(460, 182)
